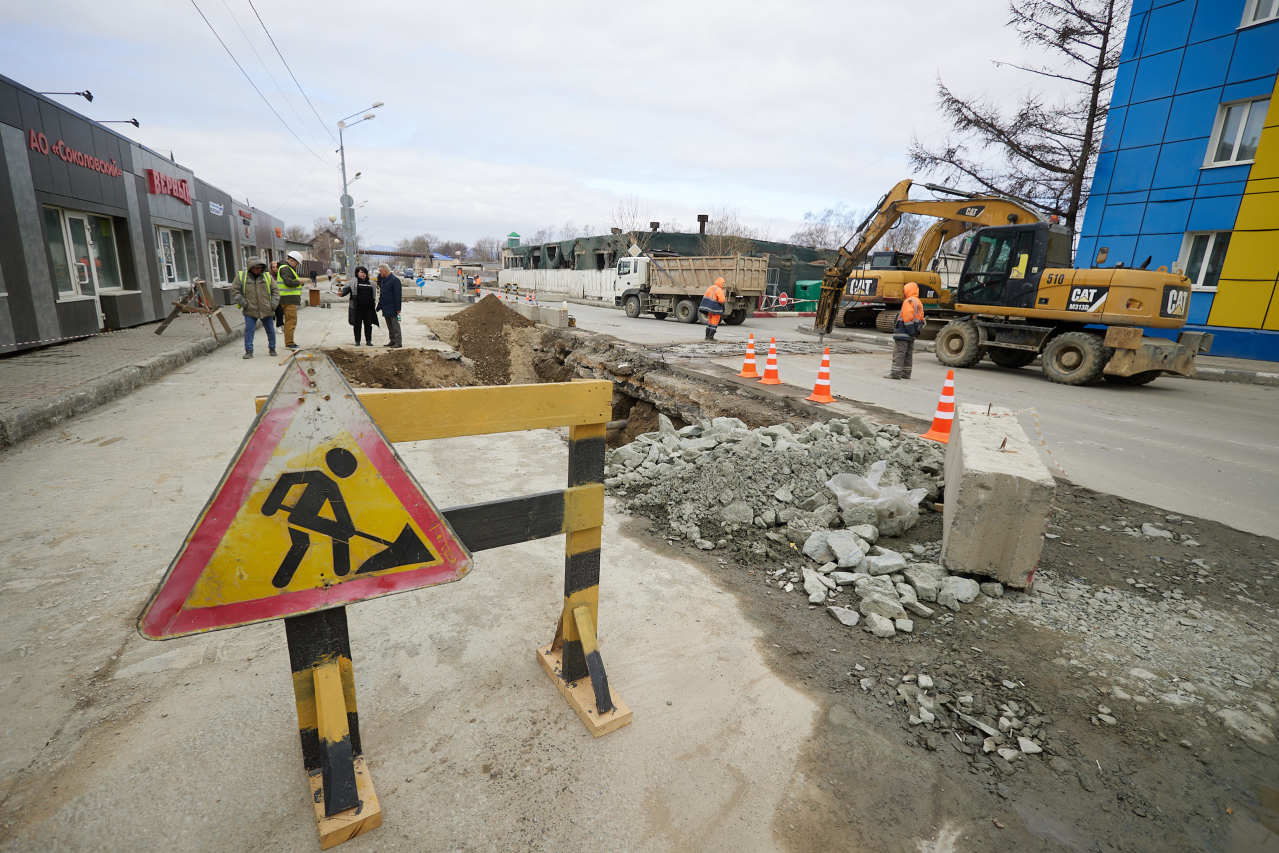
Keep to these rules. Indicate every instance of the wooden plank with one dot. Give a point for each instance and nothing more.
(338, 773)
(418, 414)
(580, 696)
(504, 522)
(344, 826)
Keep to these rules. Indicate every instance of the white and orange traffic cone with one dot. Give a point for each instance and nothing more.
(771, 375)
(748, 364)
(821, 388)
(945, 414)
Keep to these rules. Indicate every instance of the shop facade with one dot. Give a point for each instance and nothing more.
(104, 233)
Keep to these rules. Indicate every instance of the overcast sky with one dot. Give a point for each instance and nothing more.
(511, 116)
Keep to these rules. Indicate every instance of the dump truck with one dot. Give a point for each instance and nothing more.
(674, 285)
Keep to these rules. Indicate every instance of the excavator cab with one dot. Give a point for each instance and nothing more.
(1005, 263)
(890, 260)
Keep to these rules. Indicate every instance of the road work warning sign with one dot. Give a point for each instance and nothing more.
(315, 511)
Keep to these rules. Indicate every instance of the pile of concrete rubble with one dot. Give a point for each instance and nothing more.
(771, 491)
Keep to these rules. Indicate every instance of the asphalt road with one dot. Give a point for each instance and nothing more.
(1208, 449)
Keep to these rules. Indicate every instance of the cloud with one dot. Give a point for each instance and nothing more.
(507, 116)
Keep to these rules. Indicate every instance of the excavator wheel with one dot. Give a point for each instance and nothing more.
(1136, 379)
(957, 344)
(686, 311)
(1074, 358)
(1011, 357)
(885, 320)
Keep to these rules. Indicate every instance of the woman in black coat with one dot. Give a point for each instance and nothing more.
(360, 309)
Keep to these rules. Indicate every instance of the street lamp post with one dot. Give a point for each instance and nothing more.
(348, 209)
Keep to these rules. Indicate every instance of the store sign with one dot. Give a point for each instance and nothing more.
(215, 208)
(159, 183)
(37, 141)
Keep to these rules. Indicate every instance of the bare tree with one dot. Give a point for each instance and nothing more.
(1044, 152)
(829, 229)
(543, 235)
(726, 234)
(422, 243)
(297, 233)
(452, 248)
(904, 236)
(487, 249)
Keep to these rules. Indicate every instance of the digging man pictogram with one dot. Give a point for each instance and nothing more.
(304, 518)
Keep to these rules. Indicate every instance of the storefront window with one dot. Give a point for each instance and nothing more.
(56, 243)
(173, 251)
(106, 262)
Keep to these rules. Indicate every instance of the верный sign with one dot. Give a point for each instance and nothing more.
(315, 511)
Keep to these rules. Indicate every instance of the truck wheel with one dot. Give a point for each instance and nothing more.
(661, 315)
(1011, 357)
(1136, 379)
(1074, 358)
(736, 318)
(885, 320)
(957, 344)
(632, 306)
(686, 311)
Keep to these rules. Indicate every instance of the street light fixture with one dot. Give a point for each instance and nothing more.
(348, 211)
(132, 121)
(86, 94)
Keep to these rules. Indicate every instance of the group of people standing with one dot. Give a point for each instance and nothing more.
(269, 295)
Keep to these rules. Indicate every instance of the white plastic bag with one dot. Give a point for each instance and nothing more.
(896, 507)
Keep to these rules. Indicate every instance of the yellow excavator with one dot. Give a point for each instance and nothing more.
(1019, 298)
(872, 290)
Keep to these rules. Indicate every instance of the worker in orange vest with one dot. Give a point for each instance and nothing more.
(713, 307)
(910, 322)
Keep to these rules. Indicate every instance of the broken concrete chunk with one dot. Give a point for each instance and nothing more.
(918, 609)
(882, 561)
(1008, 754)
(814, 586)
(859, 515)
(880, 626)
(1150, 531)
(998, 494)
(664, 425)
(1028, 746)
(737, 512)
(956, 591)
(926, 578)
(906, 626)
(993, 589)
(867, 532)
(845, 615)
(843, 578)
(816, 547)
(888, 607)
(849, 549)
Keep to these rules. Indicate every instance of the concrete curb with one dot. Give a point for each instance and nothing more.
(1208, 374)
(25, 422)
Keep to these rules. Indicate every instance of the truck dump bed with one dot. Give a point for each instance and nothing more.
(690, 276)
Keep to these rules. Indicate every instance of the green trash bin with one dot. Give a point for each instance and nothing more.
(807, 292)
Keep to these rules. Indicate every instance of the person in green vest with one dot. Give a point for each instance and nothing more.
(257, 296)
(290, 284)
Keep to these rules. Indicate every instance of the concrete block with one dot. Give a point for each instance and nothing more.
(998, 494)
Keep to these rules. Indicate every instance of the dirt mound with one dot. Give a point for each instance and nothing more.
(402, 368)
(483, 335)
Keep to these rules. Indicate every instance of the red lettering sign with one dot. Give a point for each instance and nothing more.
(37, 141)
(246, 214)
(159, 183)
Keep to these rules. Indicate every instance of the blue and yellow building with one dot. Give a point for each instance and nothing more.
(1188, 172)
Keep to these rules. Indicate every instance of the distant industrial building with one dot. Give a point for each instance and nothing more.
(1188, 172)
(787, 262)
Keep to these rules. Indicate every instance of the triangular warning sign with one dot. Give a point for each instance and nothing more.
(316, 510)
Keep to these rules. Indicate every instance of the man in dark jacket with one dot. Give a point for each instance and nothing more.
(388, 305)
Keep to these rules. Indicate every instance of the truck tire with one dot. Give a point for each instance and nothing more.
(957, 344)
(1011, 358)
(1074, 358)
(686, 311)
(660, 315)
(632, 306)
(885, 320)
(736, 318)
(1136, 379)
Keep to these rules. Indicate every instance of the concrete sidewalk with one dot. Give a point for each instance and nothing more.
(40, 388)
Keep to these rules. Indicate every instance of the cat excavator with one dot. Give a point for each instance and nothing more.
(1019, 297)
(873, 285)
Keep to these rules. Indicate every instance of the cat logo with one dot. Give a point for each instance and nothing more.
(862, 286)
(1176, 299)
(1089, 299)
(973, 210)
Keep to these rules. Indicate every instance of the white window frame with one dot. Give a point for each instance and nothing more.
(177, 242)
(1250, 9)
(1183, 259)
(217, 262)
(1218, 127)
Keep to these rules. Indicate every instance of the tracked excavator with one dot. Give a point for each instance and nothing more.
(1020, 298)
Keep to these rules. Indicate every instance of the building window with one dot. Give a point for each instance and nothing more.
(173, 250)
(1202, 256)
(83, 257)
(1237, 132)
(217, 262)
(1259, 11)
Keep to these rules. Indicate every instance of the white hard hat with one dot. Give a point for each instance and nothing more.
(295, 255)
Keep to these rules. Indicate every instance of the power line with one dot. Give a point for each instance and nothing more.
(280, 54)
(255, 85)
(261, 61)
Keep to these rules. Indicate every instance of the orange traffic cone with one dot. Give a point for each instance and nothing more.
(771, 376)
(821, 388)
(945, 415)
(748, 364)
